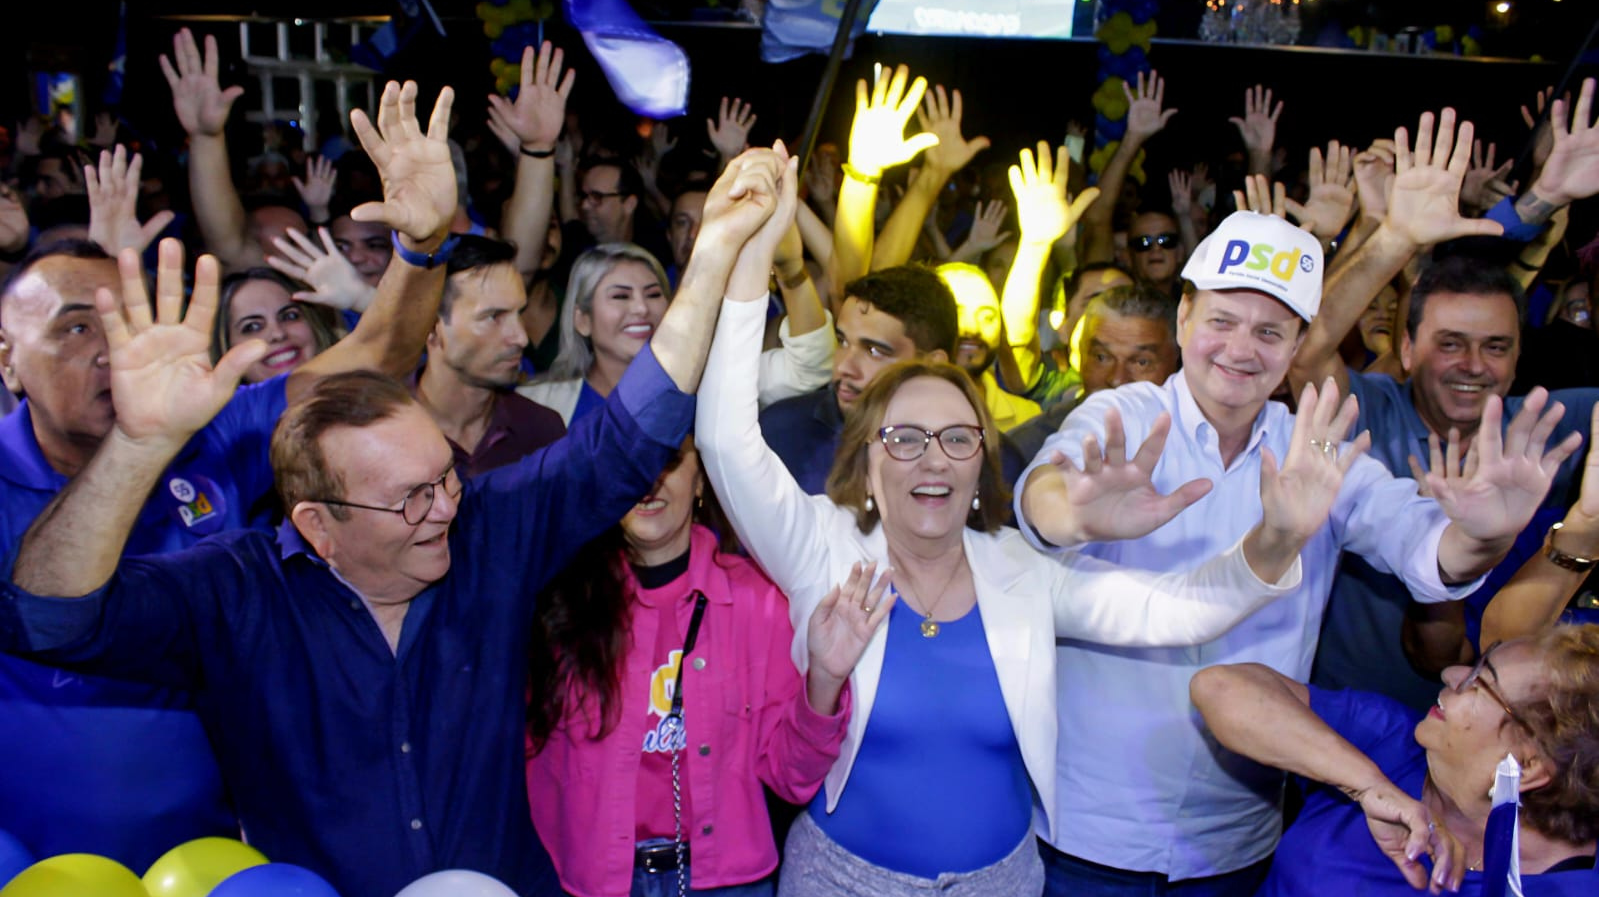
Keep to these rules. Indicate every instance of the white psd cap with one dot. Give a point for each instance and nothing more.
(1251, 251)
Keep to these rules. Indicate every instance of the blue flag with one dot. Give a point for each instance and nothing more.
(648, 72)
(793, 28)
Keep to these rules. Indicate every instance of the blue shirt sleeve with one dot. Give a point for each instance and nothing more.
(1504, 212)
(1379, 726)
(241, 433)
(529, 517)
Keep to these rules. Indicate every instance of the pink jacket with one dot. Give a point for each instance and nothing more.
(748, 723)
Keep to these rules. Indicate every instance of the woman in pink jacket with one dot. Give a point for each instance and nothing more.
(664, 697)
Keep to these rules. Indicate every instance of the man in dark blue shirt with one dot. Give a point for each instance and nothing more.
(122, 768)
(887, 316)
(363, 674)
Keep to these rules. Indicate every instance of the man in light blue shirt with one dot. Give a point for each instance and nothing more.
(1147, 802)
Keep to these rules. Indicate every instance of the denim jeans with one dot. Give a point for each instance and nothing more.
(1068, 876)
(664, 884)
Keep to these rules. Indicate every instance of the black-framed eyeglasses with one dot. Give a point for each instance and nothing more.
(906, 443)
(1148, 242)
(418, 502)
(1474, 679)
(595, 196)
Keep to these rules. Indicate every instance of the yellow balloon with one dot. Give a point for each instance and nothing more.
(194, 868)
(1109, 100)
(75, 875)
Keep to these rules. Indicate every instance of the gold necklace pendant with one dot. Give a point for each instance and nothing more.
(929, 627)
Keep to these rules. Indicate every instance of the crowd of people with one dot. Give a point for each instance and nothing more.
(613, 521)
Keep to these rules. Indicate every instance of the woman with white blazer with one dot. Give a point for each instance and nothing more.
(950, 749)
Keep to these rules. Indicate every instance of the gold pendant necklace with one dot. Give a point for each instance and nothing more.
(929, 626)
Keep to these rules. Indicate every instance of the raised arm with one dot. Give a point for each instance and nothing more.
(1258, 127)
(113, 190)
(534, 121)
(1145, 119)
(1262, 714)
(1571, 171)
(876, 142)
(163, 389)
(940, 116)
(1537, 595)
(1423, 209)
(202, 107)
(419, 196)
(1046, 213)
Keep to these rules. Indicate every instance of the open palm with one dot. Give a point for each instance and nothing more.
(1424, 198)
(1113, 498)
(419, 189)
(163, 385)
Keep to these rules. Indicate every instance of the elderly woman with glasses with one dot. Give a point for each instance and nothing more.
(1384, 788)
(950, 749)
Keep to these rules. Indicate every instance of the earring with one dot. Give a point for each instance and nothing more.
(977, 503)
(870, 506)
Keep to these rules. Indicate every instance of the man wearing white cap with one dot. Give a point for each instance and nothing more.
(1148, 803)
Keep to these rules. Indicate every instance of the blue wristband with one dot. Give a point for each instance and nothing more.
(425, 259)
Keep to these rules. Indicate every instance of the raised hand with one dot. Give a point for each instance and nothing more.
(843, 624)
(730, 132)
(13, 221)
(1258, 127)
(1403, 830)
(752, 205)
(1542, 141)
(1044, 210)
(985, 232)
(941, 116)
(30, 133)
(113, 198)
(1263, 196)
(1505, 475)
(1571, 172)
(536, 117)
(1332, 192)
(1112, 498)
(1374, 177)
(334, 282)
(1424, 201)
(316, 191)
(1484, 185)
(1296, 498)
(1145, 117)
(1182, 192)
(197, 97)
(163, 385)
(419, 192)
(877, 136)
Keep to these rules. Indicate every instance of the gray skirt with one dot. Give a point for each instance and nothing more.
(815, 865)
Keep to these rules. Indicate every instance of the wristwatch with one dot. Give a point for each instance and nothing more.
(1560, 558)
(425, 259)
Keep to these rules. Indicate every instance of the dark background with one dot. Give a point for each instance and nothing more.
(1016, 91)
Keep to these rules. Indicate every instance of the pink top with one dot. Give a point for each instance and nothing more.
(747, 721)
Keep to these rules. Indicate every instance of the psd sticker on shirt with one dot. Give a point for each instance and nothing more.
(197, 503)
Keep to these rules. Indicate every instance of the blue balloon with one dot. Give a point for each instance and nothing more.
(1110, 131)
(1142, 10)
(274, 880)
(13, 858)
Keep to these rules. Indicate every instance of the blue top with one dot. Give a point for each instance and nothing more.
(1504, 212)
(1329, 849)
(123, 769)
(1360, 633)
(939, 747)
(588, 401)
(369, 767)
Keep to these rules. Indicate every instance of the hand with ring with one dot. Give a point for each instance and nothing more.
(839, 630)
(1296, 499)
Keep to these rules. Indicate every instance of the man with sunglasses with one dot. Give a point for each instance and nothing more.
(1155, 249)
(363, 673)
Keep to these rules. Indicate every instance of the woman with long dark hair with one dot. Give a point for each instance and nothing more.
(664, 697)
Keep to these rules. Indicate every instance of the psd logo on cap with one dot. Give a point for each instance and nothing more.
(1264, 257)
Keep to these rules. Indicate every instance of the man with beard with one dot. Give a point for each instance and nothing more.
(982, 330)
(474, 360)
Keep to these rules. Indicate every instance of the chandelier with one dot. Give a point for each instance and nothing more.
(1250, 22)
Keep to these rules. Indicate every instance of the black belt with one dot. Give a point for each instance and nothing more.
(658, 857)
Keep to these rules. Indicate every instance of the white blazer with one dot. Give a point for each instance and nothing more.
(807, 545)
